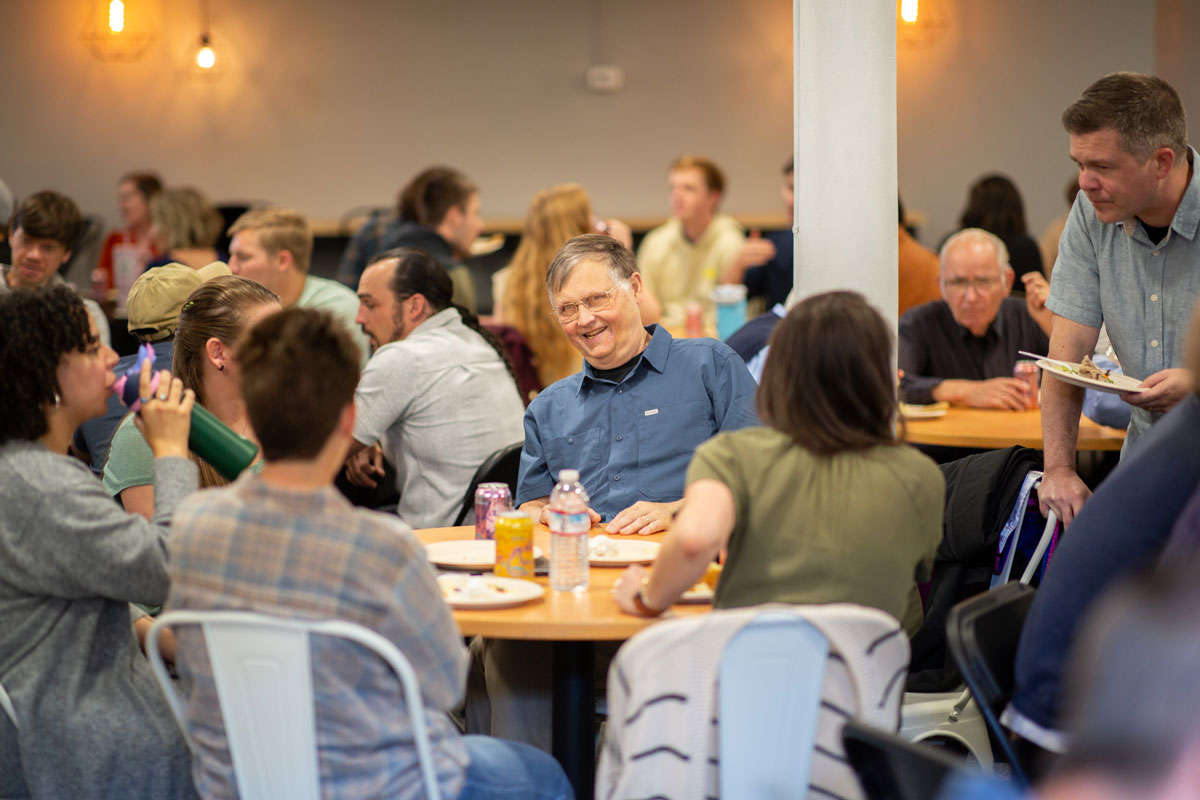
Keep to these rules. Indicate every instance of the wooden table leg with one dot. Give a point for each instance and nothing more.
(574, 704)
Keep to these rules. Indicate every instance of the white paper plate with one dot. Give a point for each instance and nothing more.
(477, 554)
(626, 552)
(1120, 383)
(700, 593)
(930, 411)
(494, 591)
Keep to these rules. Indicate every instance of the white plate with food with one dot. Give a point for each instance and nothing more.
(467, 553)
(700, 593)
(1089, 376)
(606, 552)
(487, 591)
(929, 411)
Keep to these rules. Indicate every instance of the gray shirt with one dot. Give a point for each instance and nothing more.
(93, 722)
(439, 401)
(1144, 293)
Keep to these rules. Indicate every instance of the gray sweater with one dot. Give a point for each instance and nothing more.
(92, 721)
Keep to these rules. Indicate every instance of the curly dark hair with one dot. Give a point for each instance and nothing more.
(37, 327)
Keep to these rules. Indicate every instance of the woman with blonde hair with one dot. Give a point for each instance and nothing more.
(555, 215)
(210, 325)
(185, 228)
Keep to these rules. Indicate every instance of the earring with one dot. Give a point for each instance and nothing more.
(220, 367)
(57, 400)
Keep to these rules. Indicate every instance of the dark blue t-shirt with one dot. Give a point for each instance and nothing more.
(773, 279)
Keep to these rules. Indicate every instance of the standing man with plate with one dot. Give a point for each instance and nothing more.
(1129, 258)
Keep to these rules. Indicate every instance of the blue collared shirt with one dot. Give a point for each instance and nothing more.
(633, 440)
(1144, 293)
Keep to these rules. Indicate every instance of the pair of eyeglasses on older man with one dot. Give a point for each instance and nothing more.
(979, 284)
(569, 312)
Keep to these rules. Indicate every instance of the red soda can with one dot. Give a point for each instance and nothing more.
(1026, 371)
(491, 500)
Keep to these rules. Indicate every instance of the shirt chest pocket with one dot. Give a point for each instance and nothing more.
(585, 450)
(667, 432)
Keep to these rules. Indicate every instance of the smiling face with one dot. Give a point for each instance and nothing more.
(34, 260)
(85, 379)
(1119, 184)
(606, 337)
(974, 285)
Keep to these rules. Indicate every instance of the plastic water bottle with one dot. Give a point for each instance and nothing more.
(569, 526)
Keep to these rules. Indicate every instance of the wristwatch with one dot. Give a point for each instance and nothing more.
(639, 600)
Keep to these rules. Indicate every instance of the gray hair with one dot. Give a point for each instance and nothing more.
(590, 247)
(973, 235)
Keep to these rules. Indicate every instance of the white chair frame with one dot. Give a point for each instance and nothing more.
(263, 676)
(772, 669)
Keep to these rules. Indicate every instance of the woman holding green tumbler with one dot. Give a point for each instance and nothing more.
(210, 324)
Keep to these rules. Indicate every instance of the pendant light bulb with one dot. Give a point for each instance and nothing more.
(116, 16)
(205, 57)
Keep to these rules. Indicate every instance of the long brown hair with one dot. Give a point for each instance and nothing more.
(216, 309)
(828, 381)
(994, 204)
(555, 216)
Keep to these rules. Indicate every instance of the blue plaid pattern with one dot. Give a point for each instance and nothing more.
(254, 547)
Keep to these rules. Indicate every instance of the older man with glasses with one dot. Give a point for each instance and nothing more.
(962, 348)
(629, 421)
(643, 402)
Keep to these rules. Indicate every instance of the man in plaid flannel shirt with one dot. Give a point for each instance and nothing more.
(284, 542)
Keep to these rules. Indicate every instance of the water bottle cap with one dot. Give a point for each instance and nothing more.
(568, 476)
(729, 293)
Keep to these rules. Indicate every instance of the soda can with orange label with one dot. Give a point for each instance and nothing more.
(514, 545)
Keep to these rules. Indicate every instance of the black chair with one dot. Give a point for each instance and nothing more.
(890, 767)
(500, 467)
(982, 634)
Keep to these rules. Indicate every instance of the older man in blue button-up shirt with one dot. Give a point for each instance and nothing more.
(1129, 258)
(630, 420)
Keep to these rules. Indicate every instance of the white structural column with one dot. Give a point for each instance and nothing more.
(845, 148)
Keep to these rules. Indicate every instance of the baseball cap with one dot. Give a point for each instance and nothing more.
(160, 292)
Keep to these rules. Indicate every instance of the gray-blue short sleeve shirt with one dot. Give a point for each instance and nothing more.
(1145, 293)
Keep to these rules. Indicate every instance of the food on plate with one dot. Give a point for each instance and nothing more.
(711, 575)
(603, 546)
(474, 587)
(1088, 369)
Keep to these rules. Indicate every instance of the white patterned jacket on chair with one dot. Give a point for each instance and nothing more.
(863, 678)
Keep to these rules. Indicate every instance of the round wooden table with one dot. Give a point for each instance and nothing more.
(573, 621)
(987, 429)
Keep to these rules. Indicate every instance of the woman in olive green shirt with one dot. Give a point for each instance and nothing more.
(823, 505)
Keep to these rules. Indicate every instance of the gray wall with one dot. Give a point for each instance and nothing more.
(328, 106)
(987, 96)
